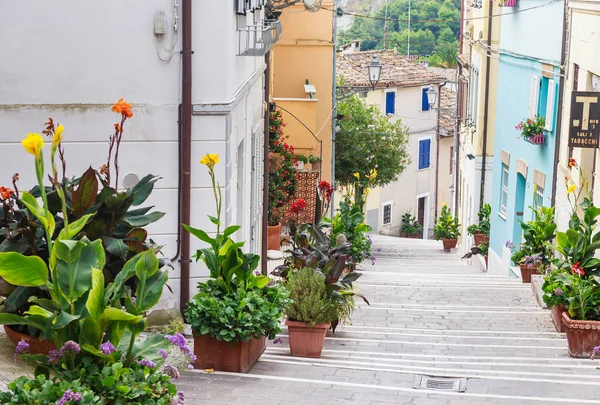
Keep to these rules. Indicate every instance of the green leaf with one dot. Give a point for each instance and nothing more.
(115, 247)
(25, 271)
(84, 197)
(95, 302)
(143, 220)
(142, 190)
(112, 314)
(18, 298)
(147, 266)
(153, 291)
(42, 370)
(68, 250)
(9, 245)
(75, 278)
(63, 319)
(124, 275)
(37, 310)
(200, 234)
(92, 350)
(148, 349)
(231, 230)
(74, 227)
(214, 220)
(34, 321)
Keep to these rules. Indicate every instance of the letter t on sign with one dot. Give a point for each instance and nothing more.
(587, 101)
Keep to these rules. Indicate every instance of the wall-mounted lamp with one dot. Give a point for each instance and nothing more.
(470, 156)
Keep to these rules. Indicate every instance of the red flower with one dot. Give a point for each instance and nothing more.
(298, 206)
(6, 193)
(575, 269)
(324, 185)
(572, 162)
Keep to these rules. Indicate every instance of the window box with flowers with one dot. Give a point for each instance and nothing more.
(533, 130)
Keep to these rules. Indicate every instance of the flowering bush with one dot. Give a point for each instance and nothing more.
(447, 226)
(532, 127)
(325, 191)
(282, 169)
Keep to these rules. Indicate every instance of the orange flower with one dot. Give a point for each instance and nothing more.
(572, 162)
(122, 107)
(6, 193)
(118, 127)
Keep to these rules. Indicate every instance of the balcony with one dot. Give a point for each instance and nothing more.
(256, 40)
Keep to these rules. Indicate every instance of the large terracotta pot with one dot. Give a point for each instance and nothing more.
(582, 336)
(238, 357)
(306, 341)
(316, 166)
(527, 270)
(557, 312)
(36, 345)
(274, 237)
(416, 236)
(449, 244)
(480, 238)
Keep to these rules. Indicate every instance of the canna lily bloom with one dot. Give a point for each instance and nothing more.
(372, 174)
(6, 193)
(572, 162)
(367, 192)
(571, 188)
(33, 144)
(122, 107)
(210, 160)
(58, 135)
(575, 269)
(357, 175)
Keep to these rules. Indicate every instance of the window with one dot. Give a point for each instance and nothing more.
(390, 102)
(387, 213)
(424, 153)
(451, 158)
(424, 99)
(504, 192)
(538, 196)
(474, 96)
(542, 99)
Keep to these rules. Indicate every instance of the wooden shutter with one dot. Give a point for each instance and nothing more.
(550, 105)
(424, 153)
(534, 93)
(390, 102)
(463, 99)
(424, 100)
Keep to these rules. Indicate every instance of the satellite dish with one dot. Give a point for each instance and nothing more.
(312, 5)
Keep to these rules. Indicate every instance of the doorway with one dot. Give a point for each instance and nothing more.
(519, 208)
(423, 214)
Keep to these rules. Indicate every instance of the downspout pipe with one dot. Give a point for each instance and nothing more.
(457, 152)
(486, 106)
(561, 96)
(186, 150)
(437, 153)
(333, 106)
(265, 197)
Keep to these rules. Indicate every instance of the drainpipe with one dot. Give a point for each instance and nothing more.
(333, 106)
(437, 153)
(265, 212)
(561, 95)
(186, 147)
(486, 104)
(456, 153)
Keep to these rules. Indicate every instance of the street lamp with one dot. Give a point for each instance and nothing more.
(374, 69)
(431, 96)
(374, 75)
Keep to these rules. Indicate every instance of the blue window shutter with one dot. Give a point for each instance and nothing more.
(424, 152)
(390, 102)
(424, 101)
(427, 152)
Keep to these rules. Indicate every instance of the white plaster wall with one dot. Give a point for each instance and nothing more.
(71, 60)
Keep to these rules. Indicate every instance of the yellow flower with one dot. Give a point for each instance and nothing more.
(443, 204)
(571, 188)
(210, 160)
(33, 144)
(367, 191)
(58, 136)
(372, 174)
(357, 175)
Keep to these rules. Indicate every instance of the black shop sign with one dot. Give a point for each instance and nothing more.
(584, 127)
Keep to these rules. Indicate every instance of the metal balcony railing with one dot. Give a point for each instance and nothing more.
(256, 40)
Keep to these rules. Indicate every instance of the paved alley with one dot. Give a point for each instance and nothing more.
(430, 315)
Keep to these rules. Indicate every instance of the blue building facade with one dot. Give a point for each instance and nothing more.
(528, 82)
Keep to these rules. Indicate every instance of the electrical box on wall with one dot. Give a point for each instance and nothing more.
(160, 24)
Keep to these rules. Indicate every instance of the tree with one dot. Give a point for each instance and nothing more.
(446, 55)
(368, 140)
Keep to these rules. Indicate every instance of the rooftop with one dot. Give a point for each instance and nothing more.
(447, 111)
(397, 70)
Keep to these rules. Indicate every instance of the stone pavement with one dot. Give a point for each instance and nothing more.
(430, 315)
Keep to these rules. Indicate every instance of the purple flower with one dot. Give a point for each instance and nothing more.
(133, 299)
(596, 352)
(163, 353)
(69, 396)
(373, 260)
(179, 340)
(54, 356)
(107, 348)
(171, 371)
(256, 273)
(190, 366)
(558, 292)
(509, 245)
(146, 363)
(278, 340)
(179, 399)
(70, 346)
(22, 347)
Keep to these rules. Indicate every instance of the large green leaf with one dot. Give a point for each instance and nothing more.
(12, 319)
(147, 266)
(63, 319)
(143, 189)
(84, 197)
(152, 292)
(25, 271)
(200, 234)
(125, 274)
(75, 278)
(95, 302)
(68, 250)
(18, 298)
(42, 214)
(9, 245)
(143, 220)
(112, 314)
(74, 227)
(37, 310)
(149, 348)
(115, 247)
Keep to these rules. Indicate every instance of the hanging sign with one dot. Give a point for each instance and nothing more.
(584, 127)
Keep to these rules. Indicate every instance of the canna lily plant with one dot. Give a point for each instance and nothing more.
(80, 307)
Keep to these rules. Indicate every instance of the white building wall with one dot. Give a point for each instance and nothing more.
(71, 60)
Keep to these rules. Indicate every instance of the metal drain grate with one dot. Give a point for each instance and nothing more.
(440, 383)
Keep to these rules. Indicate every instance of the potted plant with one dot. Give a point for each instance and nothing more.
(529, 266)
(554, 297)
(481, 230)
(410, 228)
(282, 178)
(310, 314)
(315, 162)
(447, 229)
(236, 309)
(483, 249)
(533, 129)
(301, 160)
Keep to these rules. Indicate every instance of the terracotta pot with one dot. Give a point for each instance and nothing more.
(582, 336)
(486, 261)
(403, 235)
(36, 345)
(480, 238)
(274, 237)
(449, 244)
(527, 270)
(306, 341)
(316, 166)
(557, 312)
(237, 357)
